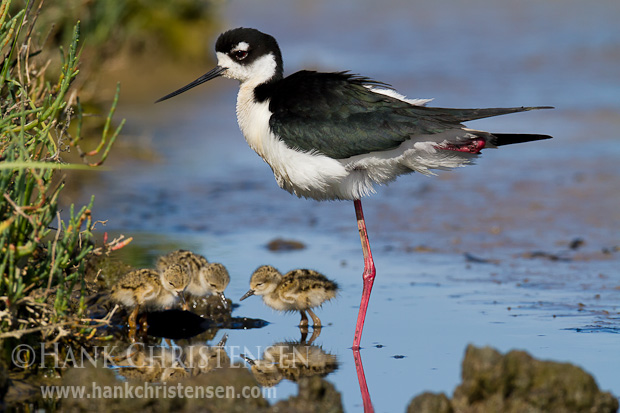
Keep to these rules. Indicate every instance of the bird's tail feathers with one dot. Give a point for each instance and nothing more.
(464, 115)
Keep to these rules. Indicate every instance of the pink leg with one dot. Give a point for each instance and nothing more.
(368, 276)
(361, 378)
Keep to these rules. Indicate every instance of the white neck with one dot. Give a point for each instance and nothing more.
(257, 73)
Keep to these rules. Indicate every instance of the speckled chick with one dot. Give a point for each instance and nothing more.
(298, 290)
(150, 289)
(205, 278)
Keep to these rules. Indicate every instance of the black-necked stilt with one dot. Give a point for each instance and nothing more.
(298, 290)
(150, 289)
(205, 278)
(335, 135)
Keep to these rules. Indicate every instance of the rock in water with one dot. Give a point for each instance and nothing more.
(516, 382)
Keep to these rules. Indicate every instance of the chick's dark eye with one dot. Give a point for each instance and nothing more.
(240, 54)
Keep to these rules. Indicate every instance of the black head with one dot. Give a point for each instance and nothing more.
(247, 55)
(245, 46)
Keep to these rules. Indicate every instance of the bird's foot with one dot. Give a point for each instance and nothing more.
(144, 325)
(132, 335)
(316, 332)
(303, 323)
(316, 321)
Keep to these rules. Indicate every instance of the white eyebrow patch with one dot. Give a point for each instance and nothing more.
(243, 46)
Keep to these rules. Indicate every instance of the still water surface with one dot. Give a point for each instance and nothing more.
(207, 191)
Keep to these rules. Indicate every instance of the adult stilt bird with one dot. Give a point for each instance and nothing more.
(336, 135)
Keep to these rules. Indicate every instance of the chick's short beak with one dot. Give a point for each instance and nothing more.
(246, 295)
(223, 298)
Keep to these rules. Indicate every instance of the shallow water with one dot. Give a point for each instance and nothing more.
(207, 191)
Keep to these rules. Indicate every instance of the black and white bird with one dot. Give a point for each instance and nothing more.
(330, 136)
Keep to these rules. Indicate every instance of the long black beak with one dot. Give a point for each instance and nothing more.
(215, 72)
(246, 295)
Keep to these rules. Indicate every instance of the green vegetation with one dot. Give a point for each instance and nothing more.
(48, 257)
(130, 39)
(158, 26)
(42, 255)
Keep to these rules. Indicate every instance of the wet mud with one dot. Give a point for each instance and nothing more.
(516, 382)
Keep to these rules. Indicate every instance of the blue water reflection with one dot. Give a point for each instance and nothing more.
(209, 192)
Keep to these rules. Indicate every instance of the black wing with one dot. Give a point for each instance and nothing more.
(336, 114)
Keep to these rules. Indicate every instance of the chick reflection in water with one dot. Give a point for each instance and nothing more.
(157, 363)
(291, 361)
(297, 290)
(200, 359)
(151, 364)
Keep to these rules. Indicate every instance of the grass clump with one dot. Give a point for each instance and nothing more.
(43, 251)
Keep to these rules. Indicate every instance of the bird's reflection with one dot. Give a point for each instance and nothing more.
(203, 359)
(162, 363)
(150, 363)
(316, 332)
(291, 360)
(361, 378)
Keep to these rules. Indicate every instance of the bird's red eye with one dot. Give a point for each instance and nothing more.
(240, 54)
